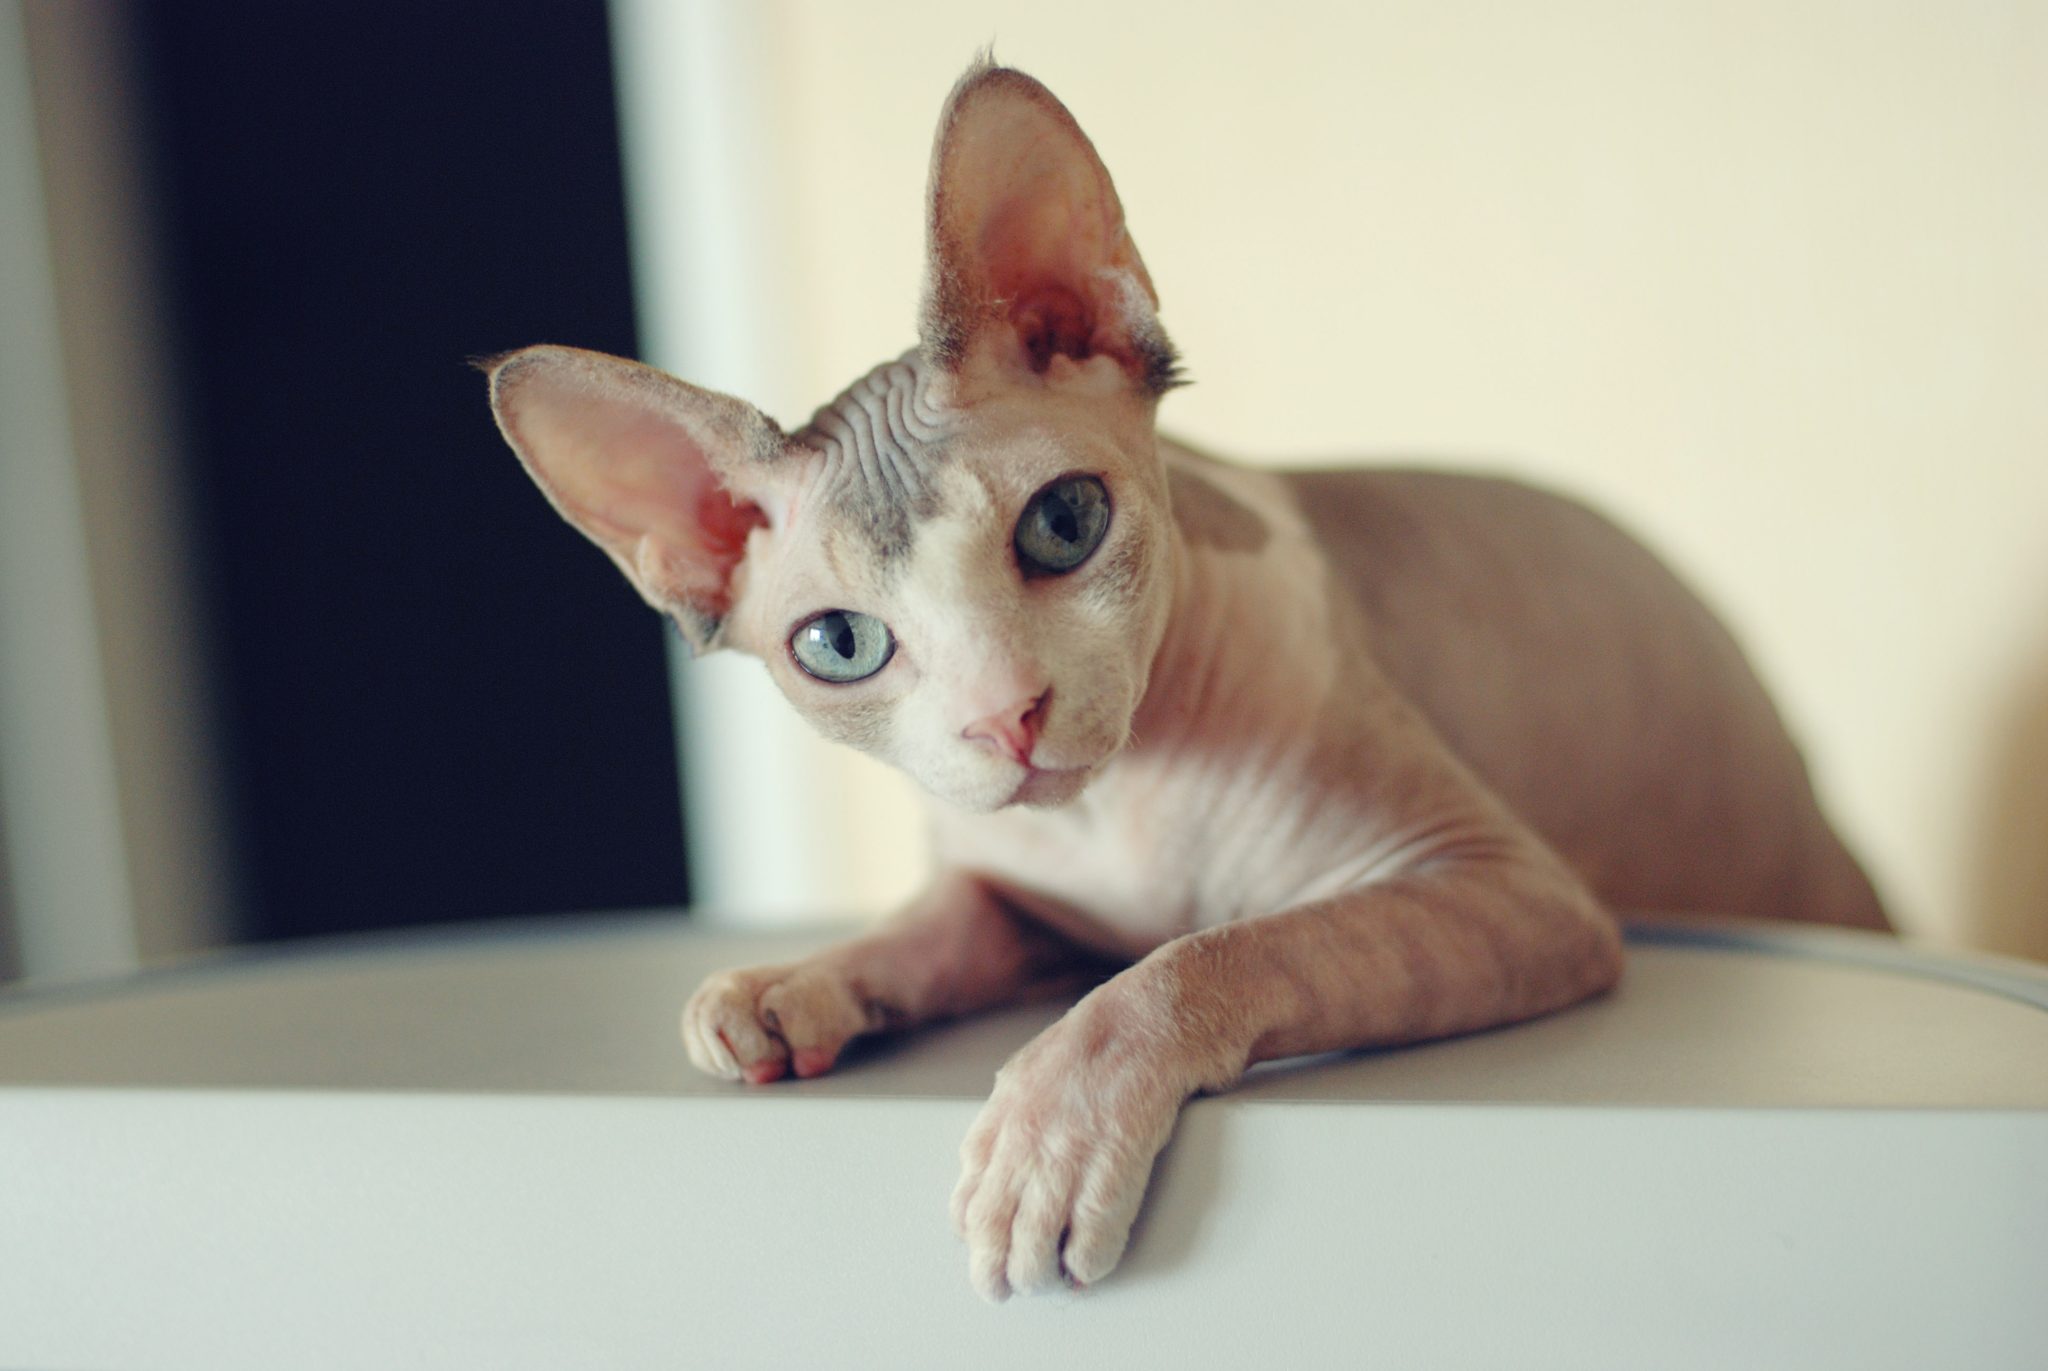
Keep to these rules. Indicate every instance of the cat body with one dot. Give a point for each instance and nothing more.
(1308, 760)
(1324, 612)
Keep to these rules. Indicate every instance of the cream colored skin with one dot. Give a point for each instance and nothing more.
(1326, 761)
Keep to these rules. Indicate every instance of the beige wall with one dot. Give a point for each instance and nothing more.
(1765, 280)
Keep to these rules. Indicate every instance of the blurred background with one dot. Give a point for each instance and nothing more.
(288, 646)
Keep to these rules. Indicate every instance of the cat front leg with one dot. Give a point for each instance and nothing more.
(1055, 1167)
(958, 949)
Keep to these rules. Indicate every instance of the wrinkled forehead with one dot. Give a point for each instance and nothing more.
(891, 461)
(879, 450)
(895, 478)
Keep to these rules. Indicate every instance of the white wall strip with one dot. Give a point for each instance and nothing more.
(58, 798)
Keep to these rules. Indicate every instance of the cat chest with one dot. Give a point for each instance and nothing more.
(1136, 864)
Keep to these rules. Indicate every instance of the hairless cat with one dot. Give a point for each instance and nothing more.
(1314, 760)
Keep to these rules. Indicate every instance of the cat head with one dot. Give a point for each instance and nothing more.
(963, 564)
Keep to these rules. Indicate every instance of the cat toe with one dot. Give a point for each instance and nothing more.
(724, 1035)
(814, 1015)
(1101, 1227)
(1035, 1237)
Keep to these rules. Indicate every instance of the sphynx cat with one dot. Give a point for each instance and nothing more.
(1319, 760)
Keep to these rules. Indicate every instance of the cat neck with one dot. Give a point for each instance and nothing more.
(1248, 636)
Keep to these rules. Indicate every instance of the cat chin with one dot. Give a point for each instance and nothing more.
(1053, 788)
(1037, 788)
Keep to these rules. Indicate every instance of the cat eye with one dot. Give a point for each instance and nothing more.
(842, 645)
(1063, 524)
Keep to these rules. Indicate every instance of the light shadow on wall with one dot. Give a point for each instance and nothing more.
(2009, 911)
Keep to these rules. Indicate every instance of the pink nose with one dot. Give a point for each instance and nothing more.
(1013, 731)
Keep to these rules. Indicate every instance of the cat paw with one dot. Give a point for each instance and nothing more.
(1055, 1167)
(759, 1024)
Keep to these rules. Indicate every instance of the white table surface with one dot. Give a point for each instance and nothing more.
(1769, 1148)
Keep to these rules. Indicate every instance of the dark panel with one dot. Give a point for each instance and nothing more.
(437, 701)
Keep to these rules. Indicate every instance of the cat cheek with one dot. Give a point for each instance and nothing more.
(863, 723)
(1118, 581)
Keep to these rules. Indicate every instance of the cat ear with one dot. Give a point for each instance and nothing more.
(661, 475)
(1027, 258)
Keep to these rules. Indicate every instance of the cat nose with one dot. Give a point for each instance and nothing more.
(1014, 731)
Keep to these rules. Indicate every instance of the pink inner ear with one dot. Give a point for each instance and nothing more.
(634, 459)
(655, 480)
(723, 525)
(1053, 321)
(1041, 253)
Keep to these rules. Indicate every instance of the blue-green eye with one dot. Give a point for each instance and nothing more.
(841, 645)
(1062, 525)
